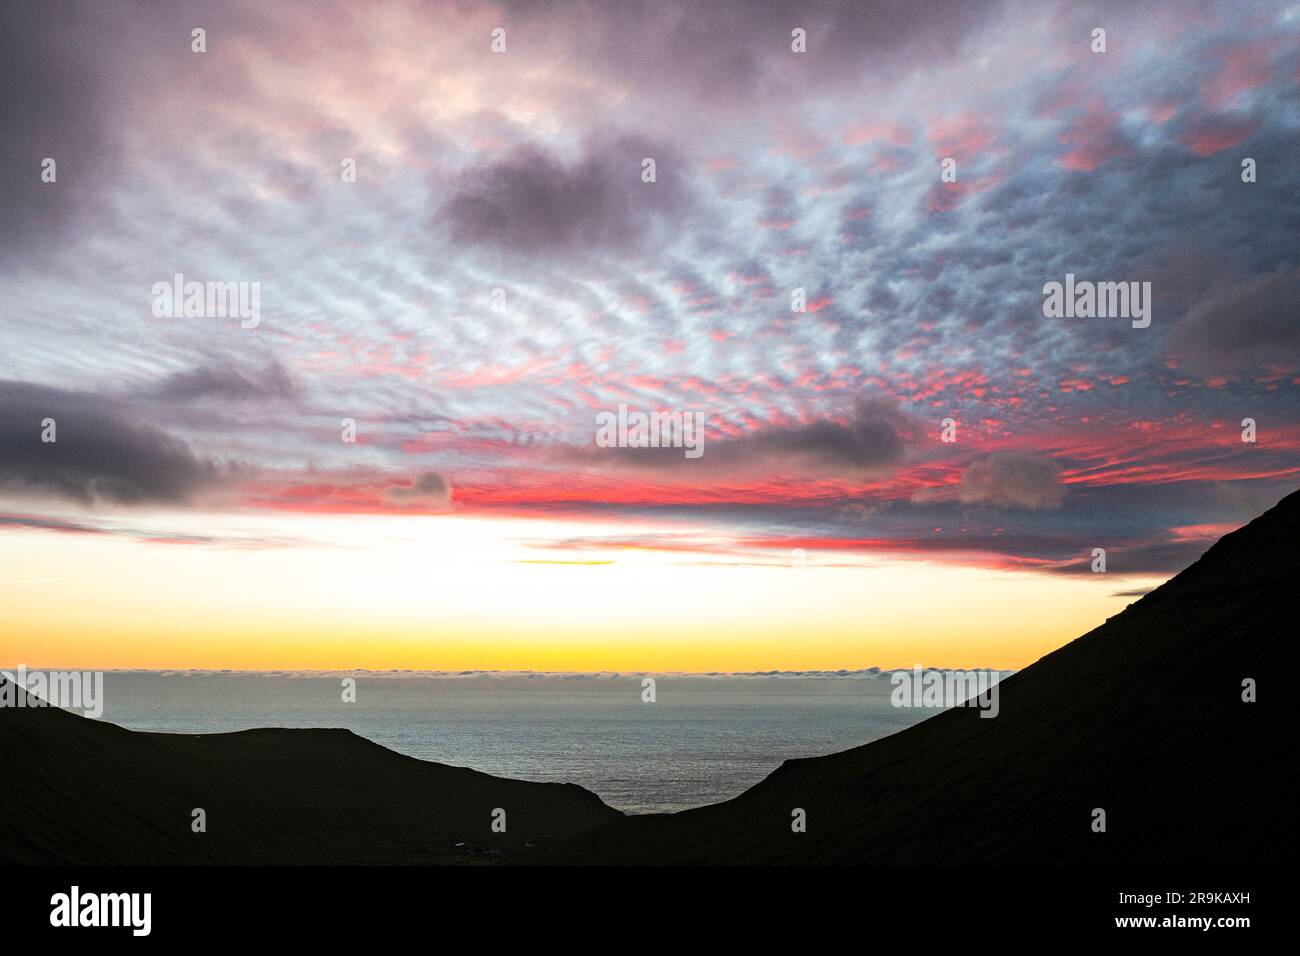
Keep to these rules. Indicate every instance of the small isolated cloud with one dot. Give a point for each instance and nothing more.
(99, 453)
(1013, 479)
(224, 381)
(1134, 593)
(1243, 325)
(1005, 479)
(874, 437)
(428, 489)
(533, 203)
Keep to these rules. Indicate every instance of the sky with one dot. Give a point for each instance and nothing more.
(915, 467)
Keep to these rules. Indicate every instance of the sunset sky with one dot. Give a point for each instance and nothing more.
(200, 508)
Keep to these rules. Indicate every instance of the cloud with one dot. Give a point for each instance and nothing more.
(1013, 479)
(873, 437)
(225, 381)
(36, 523)
(1212, 134)
(739, 50)
(99, 455)
(428, 488)
(51, 105)
(1242, 325)
(534, 203)
(381, 319)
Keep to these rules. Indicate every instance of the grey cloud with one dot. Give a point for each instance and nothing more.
(430, 488)
(1157, 557)
(740, 49)
(225, 381)
(874, 437)
(36, 523)
(52, 104)
(871, 439)
(74, 79)
(100, 453)
(1013, 479)
(1242, 325)
(534, 203)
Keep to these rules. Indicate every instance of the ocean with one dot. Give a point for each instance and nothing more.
(704, 739)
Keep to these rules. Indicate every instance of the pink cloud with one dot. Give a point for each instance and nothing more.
(893, 134)
(962, 135)
(1093, 139)
(1246, 66)
(1213, 134)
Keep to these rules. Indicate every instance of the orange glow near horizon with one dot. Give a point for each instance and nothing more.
(466, 593)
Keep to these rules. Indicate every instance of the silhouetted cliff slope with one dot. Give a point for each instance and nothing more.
(1142, 717)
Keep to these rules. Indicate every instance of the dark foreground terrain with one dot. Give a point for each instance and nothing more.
(76, 790)
(1142, 717)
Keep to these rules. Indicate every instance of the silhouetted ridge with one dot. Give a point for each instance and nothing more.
(76, 790)
(1142, 717)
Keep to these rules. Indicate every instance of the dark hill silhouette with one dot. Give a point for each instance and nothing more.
(76, 790)
(1142, 717)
